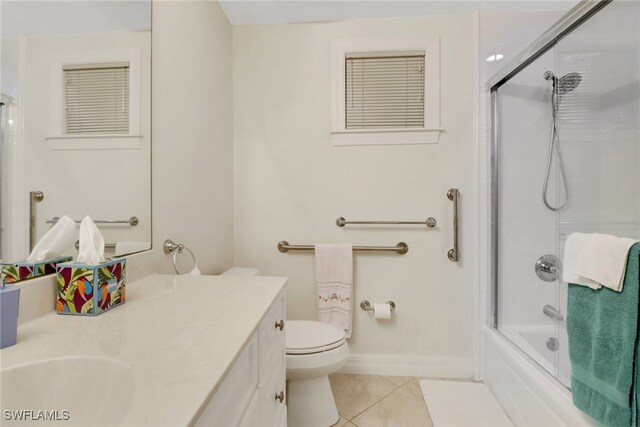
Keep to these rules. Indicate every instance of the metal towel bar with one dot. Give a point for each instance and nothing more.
(133, 221)
(401, 248)
(429, 222)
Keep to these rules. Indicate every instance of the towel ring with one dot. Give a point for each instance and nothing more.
(178, 248)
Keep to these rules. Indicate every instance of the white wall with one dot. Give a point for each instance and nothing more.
(291, 183)
(9, 66)
(192, 132)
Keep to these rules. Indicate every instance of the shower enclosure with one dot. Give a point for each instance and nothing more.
(566, 158)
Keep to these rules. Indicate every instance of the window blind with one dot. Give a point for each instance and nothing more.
(384, 90)
(97, 99)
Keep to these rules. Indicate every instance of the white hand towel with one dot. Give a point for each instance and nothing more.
(334, 280)
(56, 241)
(91, 243)
(573, 248)
(604, 259)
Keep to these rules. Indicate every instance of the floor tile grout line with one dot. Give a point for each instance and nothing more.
(374, 404)
(368, 407)
(386, 378)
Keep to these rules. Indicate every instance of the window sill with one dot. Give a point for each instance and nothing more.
(95, 142)
(385, 136)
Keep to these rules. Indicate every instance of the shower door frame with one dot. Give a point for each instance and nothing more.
(548, 40)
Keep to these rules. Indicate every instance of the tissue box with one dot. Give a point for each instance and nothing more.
(22, 270)
(9, 304)
(90, 290)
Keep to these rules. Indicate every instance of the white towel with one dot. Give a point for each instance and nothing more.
(604, 259)
(573, 249)
(334, 279)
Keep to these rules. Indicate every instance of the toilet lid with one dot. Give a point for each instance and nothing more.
(309, 336)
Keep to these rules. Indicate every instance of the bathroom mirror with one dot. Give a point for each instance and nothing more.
(75, 122)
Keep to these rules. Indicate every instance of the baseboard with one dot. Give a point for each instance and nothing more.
(413, 366)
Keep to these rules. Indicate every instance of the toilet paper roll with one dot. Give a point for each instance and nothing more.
(381, 311)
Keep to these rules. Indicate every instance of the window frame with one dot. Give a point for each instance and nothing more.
(57, 138)
(429, 134)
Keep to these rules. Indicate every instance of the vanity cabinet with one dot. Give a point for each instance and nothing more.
(252, 393)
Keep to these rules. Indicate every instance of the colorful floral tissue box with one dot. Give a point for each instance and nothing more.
(22, 270)
(90, 290)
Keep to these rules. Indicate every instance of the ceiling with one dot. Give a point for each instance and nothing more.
(243, 12)
(47, 18)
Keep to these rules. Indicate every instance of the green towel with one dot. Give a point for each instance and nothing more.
(603, 341)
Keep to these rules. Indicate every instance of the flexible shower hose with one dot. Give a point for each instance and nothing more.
(554, 144)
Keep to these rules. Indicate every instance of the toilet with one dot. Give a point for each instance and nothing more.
(313, 351)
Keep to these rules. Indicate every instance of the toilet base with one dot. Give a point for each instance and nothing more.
(310, 403)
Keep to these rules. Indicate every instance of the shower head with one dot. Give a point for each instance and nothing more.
(568, 82)
(564, 84)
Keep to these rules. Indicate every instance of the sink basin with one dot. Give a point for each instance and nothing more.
(95, 391)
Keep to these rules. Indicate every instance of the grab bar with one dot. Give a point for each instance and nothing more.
(133, 221)
(429, 222)
(454, 253)
(106, 245)
(34, 197)
(401, 248)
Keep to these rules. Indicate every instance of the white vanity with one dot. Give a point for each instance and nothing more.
(252, 393)
(194, 350)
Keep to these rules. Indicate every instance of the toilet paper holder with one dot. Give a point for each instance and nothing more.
(366, 305)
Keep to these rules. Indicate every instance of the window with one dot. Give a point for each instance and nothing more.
(384, 90)
(96, 99)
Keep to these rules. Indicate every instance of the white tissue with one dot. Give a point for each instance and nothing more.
(195, 271)
(56, 241)
(91, 243)
(381, 311)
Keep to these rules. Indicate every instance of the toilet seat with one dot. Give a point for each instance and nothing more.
(311, 337)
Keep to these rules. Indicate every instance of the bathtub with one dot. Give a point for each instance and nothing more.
(532, 340)
(529, 394)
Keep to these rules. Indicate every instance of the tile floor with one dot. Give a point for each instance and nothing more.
(371, 400)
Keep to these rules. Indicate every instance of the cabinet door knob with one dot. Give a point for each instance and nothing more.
(280, 324)
(280, 396)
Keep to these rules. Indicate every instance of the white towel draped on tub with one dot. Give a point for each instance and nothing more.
(334, 279)
(604, 260)
(596, 260)
(573, 249)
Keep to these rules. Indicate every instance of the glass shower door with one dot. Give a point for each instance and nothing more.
(598, 124)
(528, 310)
(596, 73)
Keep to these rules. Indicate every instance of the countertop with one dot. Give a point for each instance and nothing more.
(178, 334)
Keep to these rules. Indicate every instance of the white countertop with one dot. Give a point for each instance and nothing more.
(179, 335)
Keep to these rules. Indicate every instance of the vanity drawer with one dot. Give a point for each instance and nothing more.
(271, 337)
(270, 390)
(229, 403)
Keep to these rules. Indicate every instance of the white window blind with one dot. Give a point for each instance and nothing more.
(384, 90)
(97, 99)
